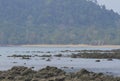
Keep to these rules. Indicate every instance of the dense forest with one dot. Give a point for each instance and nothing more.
(57, 22)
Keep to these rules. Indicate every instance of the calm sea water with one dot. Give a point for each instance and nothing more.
(65, 63)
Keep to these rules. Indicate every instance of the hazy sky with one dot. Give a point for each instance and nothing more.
(111, 4)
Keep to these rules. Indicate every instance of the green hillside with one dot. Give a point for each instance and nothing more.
(57, 22)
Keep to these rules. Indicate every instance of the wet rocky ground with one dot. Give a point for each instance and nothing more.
(21, 73)
(100, 54)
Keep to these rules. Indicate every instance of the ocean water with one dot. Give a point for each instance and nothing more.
(65, 63)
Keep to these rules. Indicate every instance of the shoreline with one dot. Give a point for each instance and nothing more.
(65, 46)
(71, 45)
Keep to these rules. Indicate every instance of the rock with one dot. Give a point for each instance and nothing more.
(72, 67)
(65, 67)
(73, 56)
(46, 56)
(48, 59)
(25, 57)
(49, 72)
(109, 59)
(17, 70)
(27, 72)
(10, 77)
(97, 60)
(21, 73)
(58, 55)
(43, 58)
(2, 75)
(83, 71)
(14, 62)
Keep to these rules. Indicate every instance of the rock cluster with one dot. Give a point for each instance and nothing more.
(100, 54)
(21, 73)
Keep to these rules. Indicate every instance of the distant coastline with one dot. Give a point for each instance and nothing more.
(65, 45)
(72, 45)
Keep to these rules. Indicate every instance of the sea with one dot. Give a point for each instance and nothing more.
(66, 63)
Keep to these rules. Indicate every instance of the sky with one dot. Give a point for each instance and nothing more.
(111, 4)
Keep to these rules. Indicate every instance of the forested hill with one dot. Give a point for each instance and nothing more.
(57, 22)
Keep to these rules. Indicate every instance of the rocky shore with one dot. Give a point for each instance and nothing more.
(100, 54)
(21, 73)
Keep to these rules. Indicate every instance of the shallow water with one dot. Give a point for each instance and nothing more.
(65, 63)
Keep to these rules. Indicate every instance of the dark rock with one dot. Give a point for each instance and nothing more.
(25, 57)
(21, 73)
(20, 70)
(83, 71)
(10, 77)
(14, 62)
(46, 56)
(43, 58)
(27, 72)
(64, 67)
(49, 72)
(28, 79)
(97, 60)
(3, 75)
(58, 55)
(109, 59)
(73, 56)
(48, 59)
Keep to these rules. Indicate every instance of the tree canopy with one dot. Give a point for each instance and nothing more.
(57, 22)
